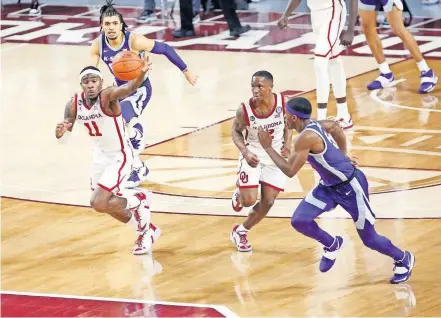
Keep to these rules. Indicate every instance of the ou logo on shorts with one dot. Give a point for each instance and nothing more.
(243, 177)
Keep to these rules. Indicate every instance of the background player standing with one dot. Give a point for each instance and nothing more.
(328, 18)
(394, 13)
(113, 39)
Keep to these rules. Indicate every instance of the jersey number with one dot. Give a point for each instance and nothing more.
(93, 131)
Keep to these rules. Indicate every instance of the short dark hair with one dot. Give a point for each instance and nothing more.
(108, 10)
(90, 68)
(300, 105)
(264, 74)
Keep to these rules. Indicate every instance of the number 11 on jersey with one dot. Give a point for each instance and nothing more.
(93, 131)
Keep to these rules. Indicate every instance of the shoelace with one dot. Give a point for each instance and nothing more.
(243, 239)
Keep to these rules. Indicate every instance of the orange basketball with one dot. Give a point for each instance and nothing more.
(127, 65)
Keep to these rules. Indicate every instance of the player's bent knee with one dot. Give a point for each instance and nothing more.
(248, 200)
(398, 30)
(299, 221)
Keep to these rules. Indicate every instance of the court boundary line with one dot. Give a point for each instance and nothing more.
(220, 308)
(322, 217)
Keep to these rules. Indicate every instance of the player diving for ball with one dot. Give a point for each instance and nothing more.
(113, 39)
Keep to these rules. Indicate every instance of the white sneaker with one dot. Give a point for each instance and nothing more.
(235, 203)
(142, 213)
(240, 239)
(143, 244)
(345, 124)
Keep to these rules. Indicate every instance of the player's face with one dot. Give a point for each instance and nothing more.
(261, 88)
(112, 27)
(91, 85)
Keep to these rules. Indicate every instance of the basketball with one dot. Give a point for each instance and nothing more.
(127, 65)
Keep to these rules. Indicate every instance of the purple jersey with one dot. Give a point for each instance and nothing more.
(332, 165)
(107, 54)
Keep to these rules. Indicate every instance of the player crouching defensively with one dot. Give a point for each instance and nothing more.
(323, 145)
(99, 112)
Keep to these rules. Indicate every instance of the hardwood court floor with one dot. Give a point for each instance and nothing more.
(71, 250)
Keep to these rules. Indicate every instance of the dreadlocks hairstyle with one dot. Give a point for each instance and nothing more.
(108, 10)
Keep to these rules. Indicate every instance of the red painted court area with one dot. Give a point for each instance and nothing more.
(13, 305)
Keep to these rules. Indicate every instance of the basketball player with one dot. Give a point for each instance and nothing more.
(99, 112)
(113, 39)
(265, 109)
(328, 18)
(323, 145)
(394, 13)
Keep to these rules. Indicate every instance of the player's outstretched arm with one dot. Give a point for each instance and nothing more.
(70, 113)
(296, 159)
(347, 36)
(95, 53)
(334, 129)
(113, 93)
(141, 43)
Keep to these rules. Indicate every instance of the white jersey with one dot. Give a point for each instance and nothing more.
(107, 132)
(316, 5)
(274, 122)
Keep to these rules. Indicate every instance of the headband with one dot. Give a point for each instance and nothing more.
(298, 114)
(90, 72)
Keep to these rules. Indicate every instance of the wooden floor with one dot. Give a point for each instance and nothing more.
(70, 250)
(66, 248)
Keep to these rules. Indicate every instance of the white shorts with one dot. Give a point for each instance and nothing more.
(269, 175)
(327, 25)
(110, 171)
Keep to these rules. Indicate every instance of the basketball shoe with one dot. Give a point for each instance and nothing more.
(330, 254)
(428, 81)
(235, 203)
(382, 81)
(144, 243)
(403, 269)
(240, 239)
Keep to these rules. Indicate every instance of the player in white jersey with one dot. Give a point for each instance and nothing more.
(328, 18)
(99, 112)
(265, 109)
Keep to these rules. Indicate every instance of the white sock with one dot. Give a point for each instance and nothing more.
(241, 228)
(422, 66)
(342, 110)
(321, 113)
(322, 79)
(384, 68)
(133, 223)
(337, 76)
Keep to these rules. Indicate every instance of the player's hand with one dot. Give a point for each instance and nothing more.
(251, 159)
(62, 127)
(283, 22)
(146, 59)
(285, 151)
(353, 159)
(346, 37)
(265, 138)
(192, 79)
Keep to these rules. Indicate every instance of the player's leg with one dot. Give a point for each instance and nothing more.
(130, 206)
(245, 195)
(368, 14)
(355, 200)
(314, 204)
(394, 15)
(132, 108)
(327, 25)
(247, 184)
(338, 77)
(272, 181)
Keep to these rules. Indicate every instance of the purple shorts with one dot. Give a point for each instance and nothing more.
(375, 5)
